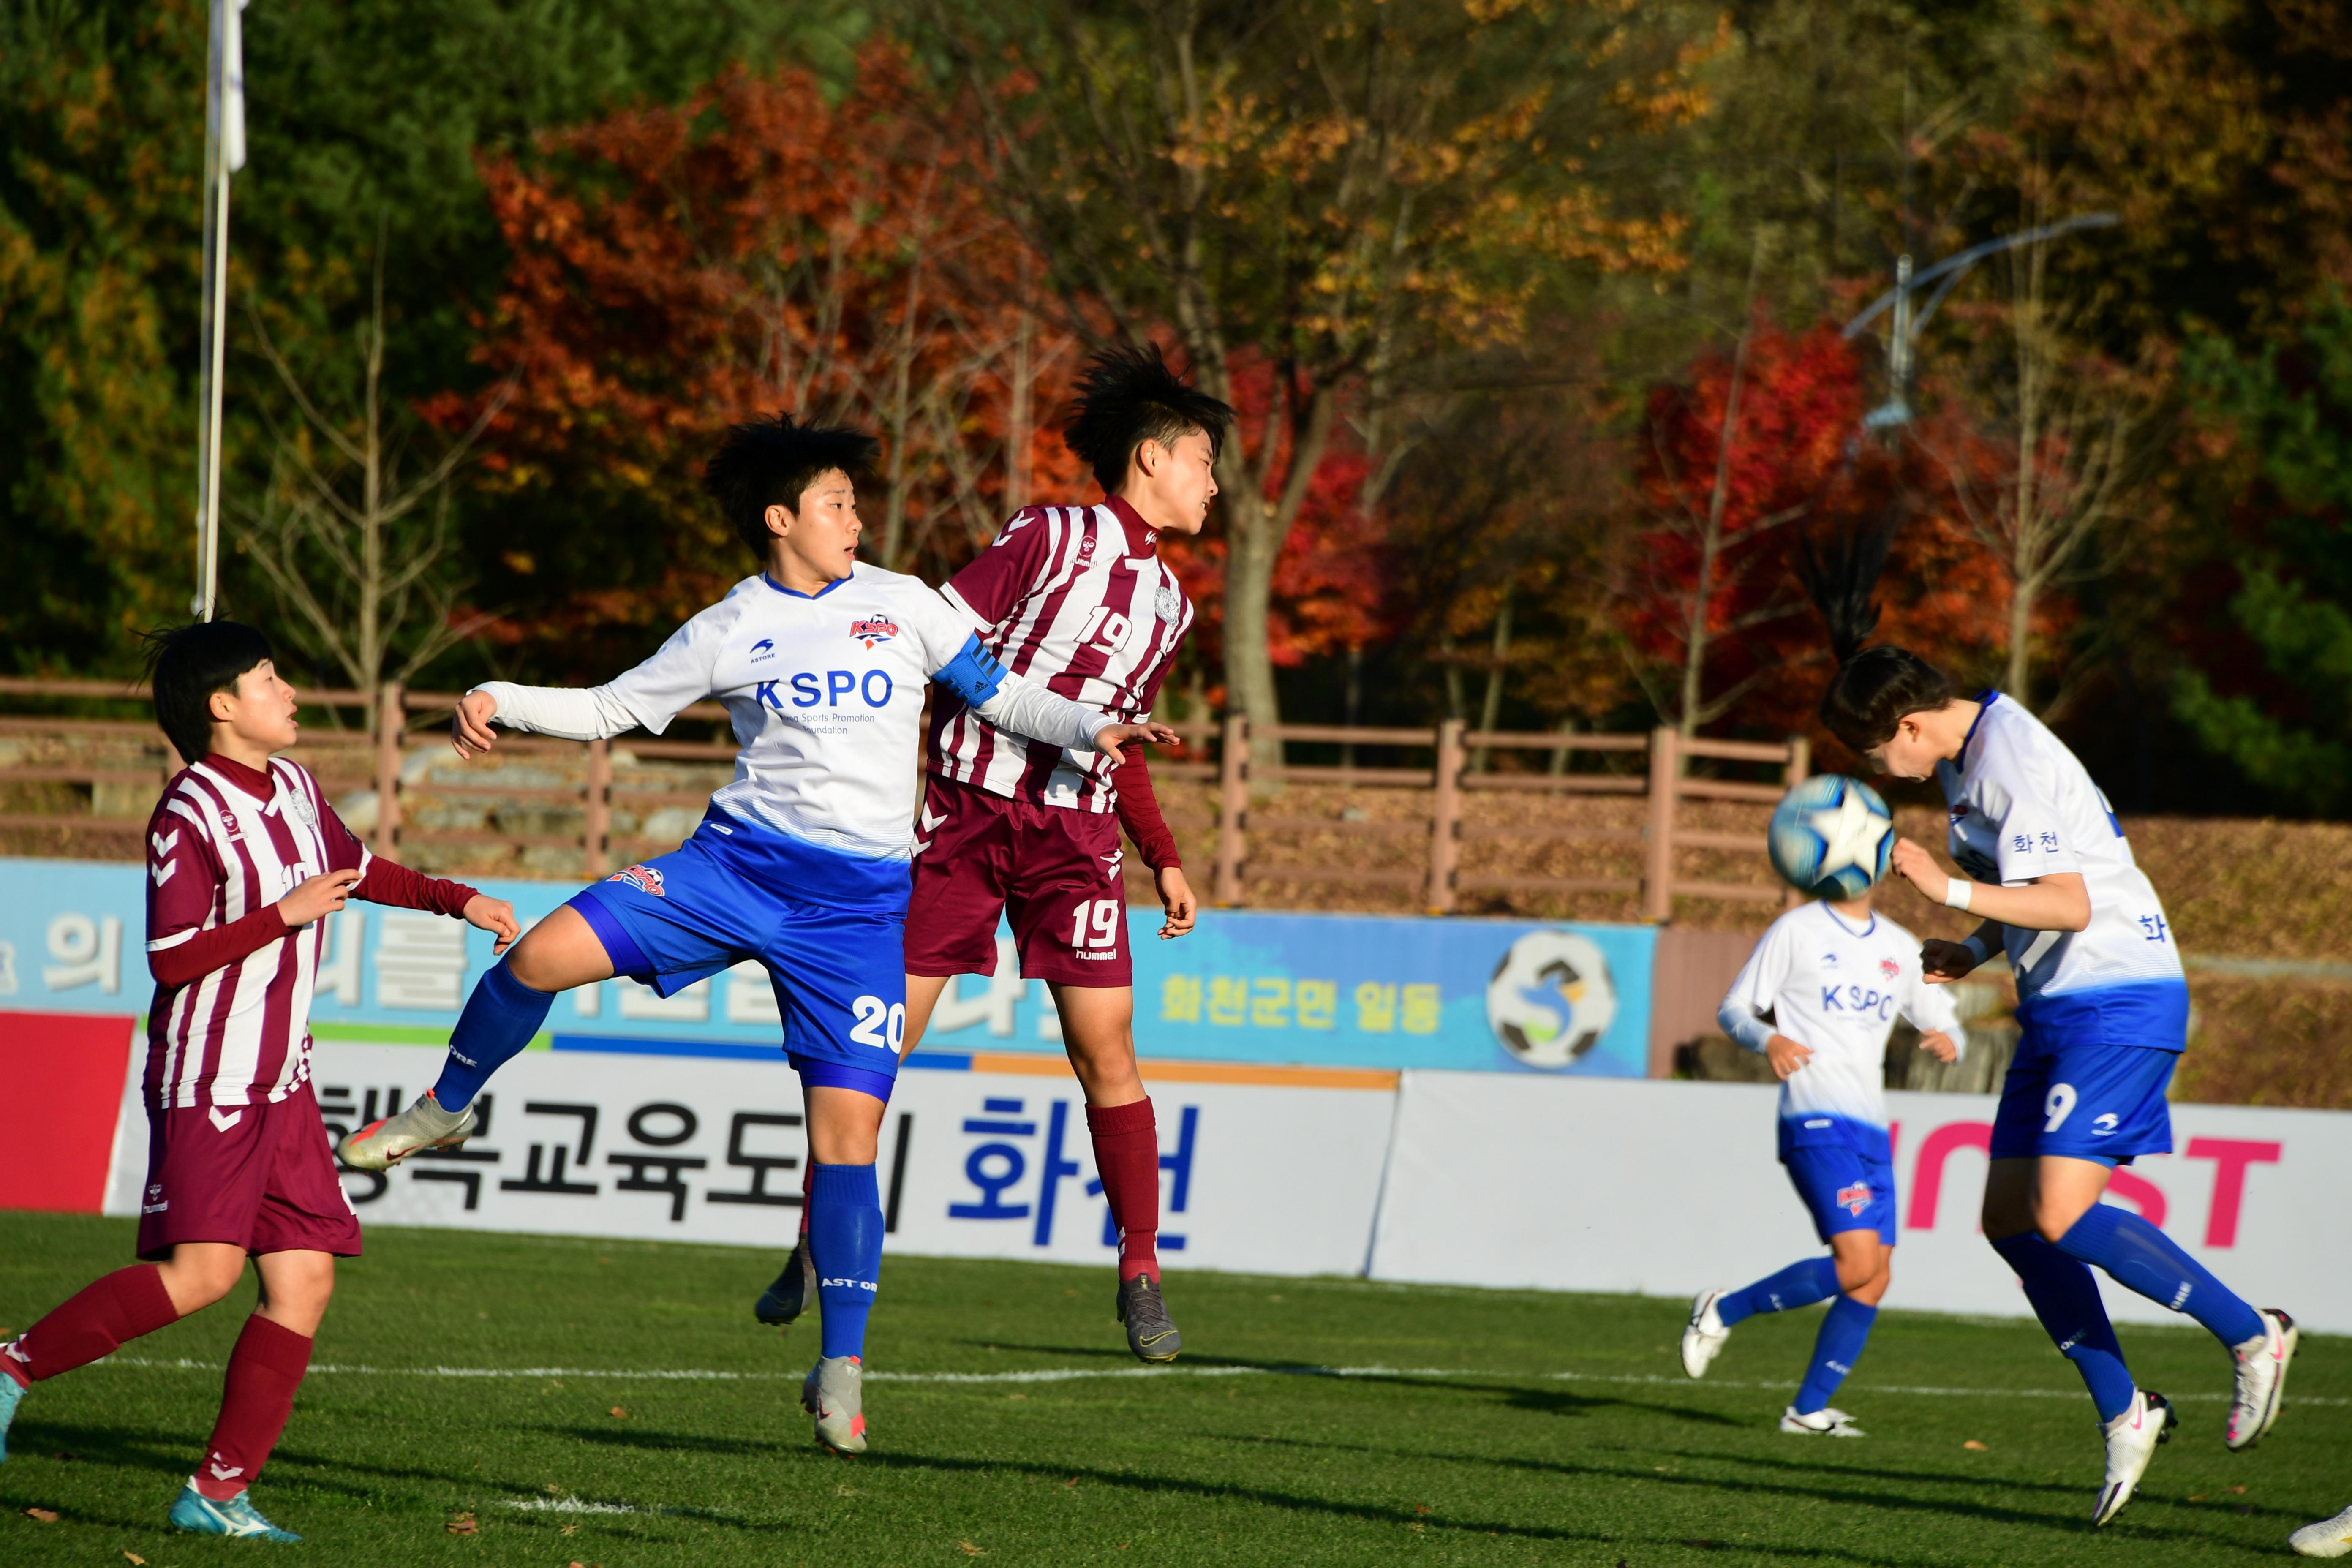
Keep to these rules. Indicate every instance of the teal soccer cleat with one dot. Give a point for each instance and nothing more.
(200, 1515)
(11, 1392)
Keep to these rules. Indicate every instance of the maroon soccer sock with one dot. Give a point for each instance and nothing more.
(264, 1370)
(1126, 1156)
(92, 1325)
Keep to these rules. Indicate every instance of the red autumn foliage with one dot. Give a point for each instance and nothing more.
(1798, 462)
(757, 248)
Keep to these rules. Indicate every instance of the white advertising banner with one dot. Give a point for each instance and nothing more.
(1254, 1178)
(1666, 1188)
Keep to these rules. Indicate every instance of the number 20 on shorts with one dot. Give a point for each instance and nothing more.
(879, 1025)
(1095, 924)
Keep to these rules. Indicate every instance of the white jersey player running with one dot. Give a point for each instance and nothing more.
(1819, 997)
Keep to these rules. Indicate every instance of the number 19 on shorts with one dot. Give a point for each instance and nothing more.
(1095, 924)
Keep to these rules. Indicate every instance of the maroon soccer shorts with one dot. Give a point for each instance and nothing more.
(257, 1176)
(1053, 872)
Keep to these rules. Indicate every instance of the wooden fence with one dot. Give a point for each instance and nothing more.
(123, 761)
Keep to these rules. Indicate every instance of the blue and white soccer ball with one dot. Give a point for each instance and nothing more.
(1831, 836)
(1551, 999)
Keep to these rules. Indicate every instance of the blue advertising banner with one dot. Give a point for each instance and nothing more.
(1306, 989)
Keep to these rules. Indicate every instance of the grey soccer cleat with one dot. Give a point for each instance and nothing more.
(1150, 1334)
(795, 1288)
(380, 1145)
(835, 1392)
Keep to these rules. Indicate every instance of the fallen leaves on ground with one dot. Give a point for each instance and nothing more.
(969, 1549)
(463, 1525)
(42, 1515)
(619, 1414)
(135, 1559)
(1976, 1447)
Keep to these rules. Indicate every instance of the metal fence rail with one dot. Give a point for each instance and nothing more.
(121, 763)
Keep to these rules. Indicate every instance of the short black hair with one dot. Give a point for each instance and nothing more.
(771, 462)
(189, 663)
(1872, 691)
(1128, 396)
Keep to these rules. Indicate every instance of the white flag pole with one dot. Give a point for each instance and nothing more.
(224, 154)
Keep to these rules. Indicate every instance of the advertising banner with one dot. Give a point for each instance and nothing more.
(1253, 1178)
(1668, 1188)
(1306, 989)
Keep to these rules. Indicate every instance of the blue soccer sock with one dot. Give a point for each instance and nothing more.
(1844, 1330)
(845, 1214)
(2066, 1298)
(2141, 1257)
(1797, 1285)
(500, 1019)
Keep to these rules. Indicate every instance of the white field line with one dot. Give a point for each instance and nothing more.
(1079, 1374)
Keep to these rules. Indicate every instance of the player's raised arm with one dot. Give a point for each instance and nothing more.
(648, 697)
(1009, 701)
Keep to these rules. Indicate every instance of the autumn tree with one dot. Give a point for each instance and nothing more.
(1356, 196)
(763, 247)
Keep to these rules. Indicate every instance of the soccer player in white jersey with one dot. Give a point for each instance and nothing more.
(1818, 998)
(2104, 1010)
(801, 863)
(1077, 598)
(244, 858)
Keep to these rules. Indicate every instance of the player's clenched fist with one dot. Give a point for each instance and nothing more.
(469, 730)
(316, 898)
(1786, 1054)
(1942, 962)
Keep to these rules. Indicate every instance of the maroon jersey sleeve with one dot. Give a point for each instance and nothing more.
(999, 576)
(1138, 810)
(216, 947)
(386, 883)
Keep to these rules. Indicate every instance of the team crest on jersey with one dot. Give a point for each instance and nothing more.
(1889, 968)
(1854, 1199)
(302, 808)
(229, 828)
(872, 629)
(643, 876)
(1169, 601)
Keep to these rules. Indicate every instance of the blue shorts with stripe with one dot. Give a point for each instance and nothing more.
(1843, 1188)
(2090, 1075)
(828, 927)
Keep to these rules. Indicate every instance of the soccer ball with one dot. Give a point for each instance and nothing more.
(1831, 836)
(1551, 999)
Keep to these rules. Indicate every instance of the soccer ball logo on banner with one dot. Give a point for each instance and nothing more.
(1831, 836)
(1551, 999)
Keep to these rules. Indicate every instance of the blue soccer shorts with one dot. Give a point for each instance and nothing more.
(828, 927)
(1843, 1189)
(2084, 1101)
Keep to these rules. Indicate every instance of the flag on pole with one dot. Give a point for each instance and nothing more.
(231, 86)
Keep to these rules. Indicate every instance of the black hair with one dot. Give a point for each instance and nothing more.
(1128, 396)
(1874, 687)
(771, 462)
(188, 665)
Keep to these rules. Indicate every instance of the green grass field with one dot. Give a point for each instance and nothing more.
(1483, 1426)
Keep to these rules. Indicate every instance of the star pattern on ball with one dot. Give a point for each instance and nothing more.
(1849, 834)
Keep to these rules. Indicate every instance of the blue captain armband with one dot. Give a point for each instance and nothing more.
(973, 674)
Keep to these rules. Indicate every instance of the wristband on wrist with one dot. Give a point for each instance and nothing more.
(1958, 891)
(1974, 944)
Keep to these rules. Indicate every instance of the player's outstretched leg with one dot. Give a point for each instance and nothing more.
(2141, 1257)
(508, 1006)
(846, 1220)
(1716, 1312)
(89, 1325)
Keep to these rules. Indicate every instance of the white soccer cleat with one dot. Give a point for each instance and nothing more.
(835, 1392)
(380, 1145)
(1705, 1334)
(2132, 1439)
(2329, 1538)
(2262, 1365)
(1822, 1423)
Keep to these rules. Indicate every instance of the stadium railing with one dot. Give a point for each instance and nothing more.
(76, 778)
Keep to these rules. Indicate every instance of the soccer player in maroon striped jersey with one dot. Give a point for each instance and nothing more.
(245, 859)
(1075, 597)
